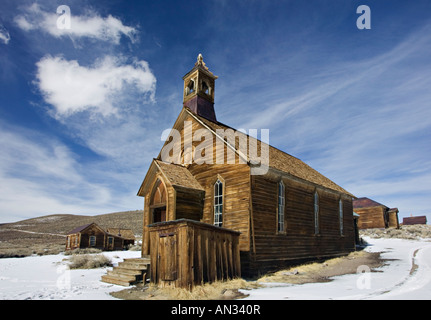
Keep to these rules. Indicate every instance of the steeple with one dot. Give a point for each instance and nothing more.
(199, 90)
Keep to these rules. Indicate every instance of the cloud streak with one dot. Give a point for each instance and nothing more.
(90, 25)
(4, 35)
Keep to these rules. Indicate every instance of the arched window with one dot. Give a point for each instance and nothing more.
(316, 213)
(281, 204)
(159, 194)
(158, 202)
(218, 203)
(340, 214)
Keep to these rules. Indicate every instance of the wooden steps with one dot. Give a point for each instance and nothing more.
(128, 272)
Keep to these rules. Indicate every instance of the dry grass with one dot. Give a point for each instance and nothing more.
(89, 261)
(323, 271)
(219, 290)
(82, 251)
(413, 232)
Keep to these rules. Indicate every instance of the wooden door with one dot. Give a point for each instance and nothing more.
(110, 243)
(168, 257)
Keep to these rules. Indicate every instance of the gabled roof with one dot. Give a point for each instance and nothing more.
(117, 232)
(278, 159)
(122, 233)
(176, 175)
(365, 202)
(80, 228)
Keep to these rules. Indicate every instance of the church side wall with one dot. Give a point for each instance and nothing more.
(298, 242)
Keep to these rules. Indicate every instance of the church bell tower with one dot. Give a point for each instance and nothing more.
(199, 90)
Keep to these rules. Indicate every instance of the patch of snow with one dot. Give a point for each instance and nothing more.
(48, 277)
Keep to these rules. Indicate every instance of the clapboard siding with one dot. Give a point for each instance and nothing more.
(236, 196)
(298, 241)
(185, 253)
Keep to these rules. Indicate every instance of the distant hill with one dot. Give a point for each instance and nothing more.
(47, 234)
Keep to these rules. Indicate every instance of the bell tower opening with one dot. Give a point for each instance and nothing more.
(199, 86)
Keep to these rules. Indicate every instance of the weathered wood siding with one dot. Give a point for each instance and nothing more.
(93, 231)
(393, 219)
(189, 204)
(236, 192)
(185, 253)
(372, 217)
(72, 241)
(298, 241)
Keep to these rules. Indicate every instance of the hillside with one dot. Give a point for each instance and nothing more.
(47, 234)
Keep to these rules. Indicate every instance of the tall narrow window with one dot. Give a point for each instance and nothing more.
(316, 213)
(280, 214)
(340, 214)
(92, 241)
(218, 203)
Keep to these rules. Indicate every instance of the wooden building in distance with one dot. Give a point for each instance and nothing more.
(407, 221)
(286, 213)
(93, 236)
(373, 214)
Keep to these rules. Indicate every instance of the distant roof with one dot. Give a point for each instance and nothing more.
(118, 232)
(80, 228)
(123, 233)
(365, 203)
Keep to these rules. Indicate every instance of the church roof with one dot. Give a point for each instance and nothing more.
(281, 161)
(178, 175)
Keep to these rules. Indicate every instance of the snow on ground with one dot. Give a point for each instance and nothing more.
(47, 277)
(407, 275)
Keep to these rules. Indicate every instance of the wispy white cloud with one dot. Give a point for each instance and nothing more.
(40, 175)
(4, 35)
(89, 25)
(71, 88)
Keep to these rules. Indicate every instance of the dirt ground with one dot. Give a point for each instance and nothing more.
(229, 290)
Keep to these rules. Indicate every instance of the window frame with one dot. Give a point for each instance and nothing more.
(218, 207)
(90, 241)
(316, 213)
(281, 207)
(341, 216)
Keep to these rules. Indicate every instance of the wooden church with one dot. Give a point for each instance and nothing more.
(284, 214)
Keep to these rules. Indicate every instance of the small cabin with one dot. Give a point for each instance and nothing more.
(414, 220)
(93, 236)
(373, 214)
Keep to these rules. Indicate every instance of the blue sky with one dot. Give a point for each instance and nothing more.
(82, 109)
